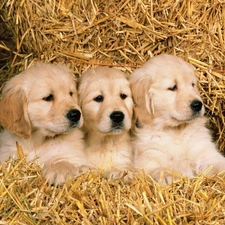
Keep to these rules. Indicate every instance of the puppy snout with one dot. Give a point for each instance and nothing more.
(73, 115)
(117, 116)
(196, 105)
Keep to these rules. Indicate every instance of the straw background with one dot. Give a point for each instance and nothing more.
(123, 34)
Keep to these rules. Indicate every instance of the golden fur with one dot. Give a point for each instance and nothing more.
(39, 110)
(171, 133)
(107, 106)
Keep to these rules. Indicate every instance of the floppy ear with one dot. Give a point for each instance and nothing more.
(142, 98)
(13, 113)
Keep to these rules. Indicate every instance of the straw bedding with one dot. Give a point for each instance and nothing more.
(122, 34)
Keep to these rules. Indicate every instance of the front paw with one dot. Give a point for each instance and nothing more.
(216, 169)
(58, 173)
(116, 174)
(164, 177)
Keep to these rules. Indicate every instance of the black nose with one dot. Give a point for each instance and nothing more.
(73, 115)
(117, 116)
(196, 105)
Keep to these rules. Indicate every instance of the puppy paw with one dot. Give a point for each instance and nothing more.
(81, 169)
(59, 172)
(115, 174)
(216, 169)
(164, 177)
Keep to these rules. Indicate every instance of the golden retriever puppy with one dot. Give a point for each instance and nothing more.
(39, 110)
(107, 106)
(171, 134)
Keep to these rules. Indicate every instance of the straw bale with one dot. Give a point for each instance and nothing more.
(90, 199)
(122, 34)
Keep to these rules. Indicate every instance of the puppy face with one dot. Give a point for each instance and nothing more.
(166, 88)
(43, 97)
(105, 99)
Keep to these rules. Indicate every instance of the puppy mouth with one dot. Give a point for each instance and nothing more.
(53, 133)
(189, 119)
(73, 125)
(196, 109)
(115, 128)
(62, 130)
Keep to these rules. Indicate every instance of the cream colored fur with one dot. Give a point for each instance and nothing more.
(104, 92)
(171, 138)
(34, 111)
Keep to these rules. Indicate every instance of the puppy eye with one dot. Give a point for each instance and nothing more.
(49, 98)
(174, 88)
(123, 96)
(71, 93)
(193, 85)
(99, 98)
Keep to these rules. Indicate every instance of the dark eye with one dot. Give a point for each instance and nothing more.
(49, 98)
(193, 85)
(174, 88)
(123, 96)
(99, 98)
(71, 93)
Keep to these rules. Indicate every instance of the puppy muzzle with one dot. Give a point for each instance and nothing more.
(73, 116)
(197, 108)
(117, 120)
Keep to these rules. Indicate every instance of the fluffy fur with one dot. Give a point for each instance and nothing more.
(171, 134)
(107, 106)
(39, 110)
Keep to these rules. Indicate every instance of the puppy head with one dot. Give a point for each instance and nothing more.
(165, 87)
(105, 99)
(43, 97)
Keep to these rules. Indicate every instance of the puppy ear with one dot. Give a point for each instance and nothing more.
(142, 98)
(13, 113)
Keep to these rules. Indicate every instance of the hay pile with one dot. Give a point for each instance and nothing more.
(123, 34)
(89, 199)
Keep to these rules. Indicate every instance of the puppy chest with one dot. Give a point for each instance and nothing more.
(108, 158)
(173, 147)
